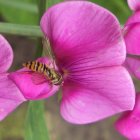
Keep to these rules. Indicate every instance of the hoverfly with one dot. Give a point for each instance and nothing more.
(45, 70)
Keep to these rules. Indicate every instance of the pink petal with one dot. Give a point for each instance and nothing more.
(25, 81)
(133, 66)
(105, 92)
(134, 4)
(6, 55)
(87, 32)
(129, 123)
(132, 39)
(135, 18)
(10, 96)
(132, 34)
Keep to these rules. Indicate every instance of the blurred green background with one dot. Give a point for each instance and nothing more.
(12, 128)
(25, 11)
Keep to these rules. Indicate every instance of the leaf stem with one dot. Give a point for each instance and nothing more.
(21, 5)
(35, 123)
(41, 9)
(18, 29)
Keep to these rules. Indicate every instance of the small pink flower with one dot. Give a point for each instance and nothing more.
(10, 96)
(129, 123)
(132, 29)
(89, 50)
(132, 39)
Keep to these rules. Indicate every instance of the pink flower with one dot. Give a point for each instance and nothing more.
(132, 29)
(132, 39)
(10, 96)
(89, 50)
(129, 123)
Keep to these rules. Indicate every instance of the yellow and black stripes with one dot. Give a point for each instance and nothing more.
(50, 73)
(35, 66)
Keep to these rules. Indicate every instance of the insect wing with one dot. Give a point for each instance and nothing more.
(47, 50)
(46, 47)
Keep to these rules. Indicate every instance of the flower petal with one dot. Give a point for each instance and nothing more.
(132, 34)
(129, 123)
(135, 18)
(6, 55)
(33, 85)
(88, 33)
(133, 66)
(132, 39)
(134, 4)
(10, 96)
(106, 92)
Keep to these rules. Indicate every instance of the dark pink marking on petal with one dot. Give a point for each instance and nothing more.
(38, 78)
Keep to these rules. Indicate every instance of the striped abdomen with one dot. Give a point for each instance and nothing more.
(50, 73)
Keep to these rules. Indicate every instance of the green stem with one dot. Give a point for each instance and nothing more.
(21, 5)
(41, 9)
(35, 123)
(17, 29)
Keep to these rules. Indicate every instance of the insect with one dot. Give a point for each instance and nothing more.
(49, 73)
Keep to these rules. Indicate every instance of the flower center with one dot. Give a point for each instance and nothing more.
(65, 73)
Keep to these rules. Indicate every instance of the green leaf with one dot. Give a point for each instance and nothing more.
(19, 11)
(17, 29)
(27, 10)
(118, 7)
(35, 128)
(52, 2)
